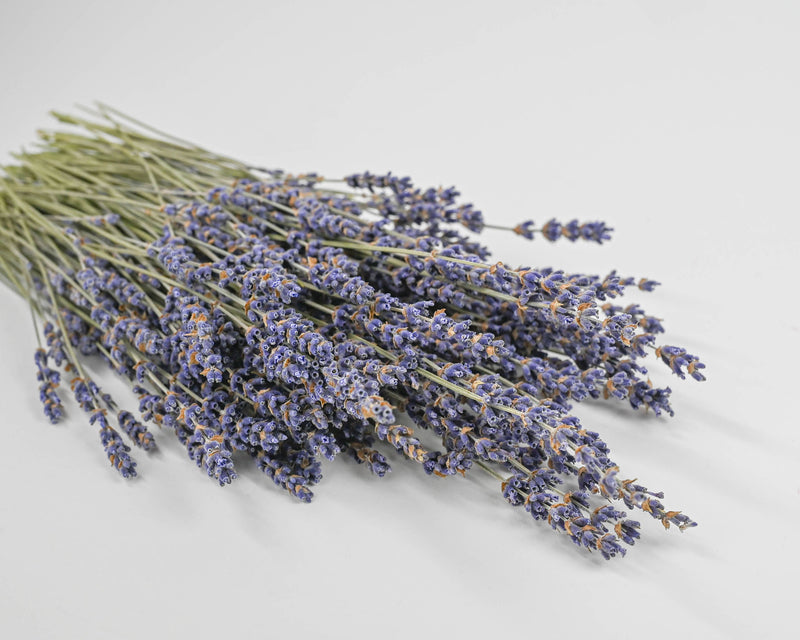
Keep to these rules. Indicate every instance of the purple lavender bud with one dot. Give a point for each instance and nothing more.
(375, 461)
(526, 229)
(647, 285)
(552, 230)
(596, 231)
(627, 530)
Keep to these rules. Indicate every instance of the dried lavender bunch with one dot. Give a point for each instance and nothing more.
(293, 317)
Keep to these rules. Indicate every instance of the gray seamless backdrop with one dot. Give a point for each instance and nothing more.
(675, 122)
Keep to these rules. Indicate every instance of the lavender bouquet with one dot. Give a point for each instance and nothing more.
(289, 318)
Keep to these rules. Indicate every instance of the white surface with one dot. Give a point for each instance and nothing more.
(674, 122)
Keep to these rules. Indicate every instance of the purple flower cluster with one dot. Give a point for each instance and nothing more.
(48, 383)
(289, 320)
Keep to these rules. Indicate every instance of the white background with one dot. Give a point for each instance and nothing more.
(675, 122)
